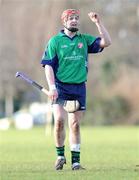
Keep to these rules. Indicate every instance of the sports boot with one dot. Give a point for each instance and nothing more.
(59, 163)
(77, 166)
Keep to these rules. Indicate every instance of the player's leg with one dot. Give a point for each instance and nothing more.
(59, 134)
(74, 120)
(59, 129)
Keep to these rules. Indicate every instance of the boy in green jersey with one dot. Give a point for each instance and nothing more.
(66, 64)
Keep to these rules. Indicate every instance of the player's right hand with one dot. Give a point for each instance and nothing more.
(53, 95)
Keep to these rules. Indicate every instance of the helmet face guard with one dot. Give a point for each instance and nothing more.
(66, 14)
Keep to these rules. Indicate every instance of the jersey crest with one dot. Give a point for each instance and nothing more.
(80, 45)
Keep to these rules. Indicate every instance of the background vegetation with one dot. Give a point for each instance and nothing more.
(113, 84)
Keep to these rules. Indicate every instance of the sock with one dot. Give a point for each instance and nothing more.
(60, 151)
(75, 157)
(75, 153)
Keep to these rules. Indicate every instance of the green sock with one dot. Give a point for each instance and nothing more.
(75, 157)
(60, 151)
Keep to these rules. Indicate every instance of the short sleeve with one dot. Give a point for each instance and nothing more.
(95, 46)
(49, 53)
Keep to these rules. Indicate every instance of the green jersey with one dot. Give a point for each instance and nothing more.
(69, 56)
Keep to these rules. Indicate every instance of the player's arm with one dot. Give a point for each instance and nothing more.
(48, 61)
(105, 37)
(51, 82)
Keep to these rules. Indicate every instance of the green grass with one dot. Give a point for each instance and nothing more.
(108, 153)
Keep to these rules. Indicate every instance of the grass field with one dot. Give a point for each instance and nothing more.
(108, 153)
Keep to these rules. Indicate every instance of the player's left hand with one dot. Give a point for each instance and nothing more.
(94, 17)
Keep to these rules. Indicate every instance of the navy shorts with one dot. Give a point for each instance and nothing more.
(72, 92)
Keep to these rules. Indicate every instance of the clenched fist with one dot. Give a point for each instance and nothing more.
(94, 17)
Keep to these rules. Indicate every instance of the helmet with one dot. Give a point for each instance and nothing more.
(69, 12)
